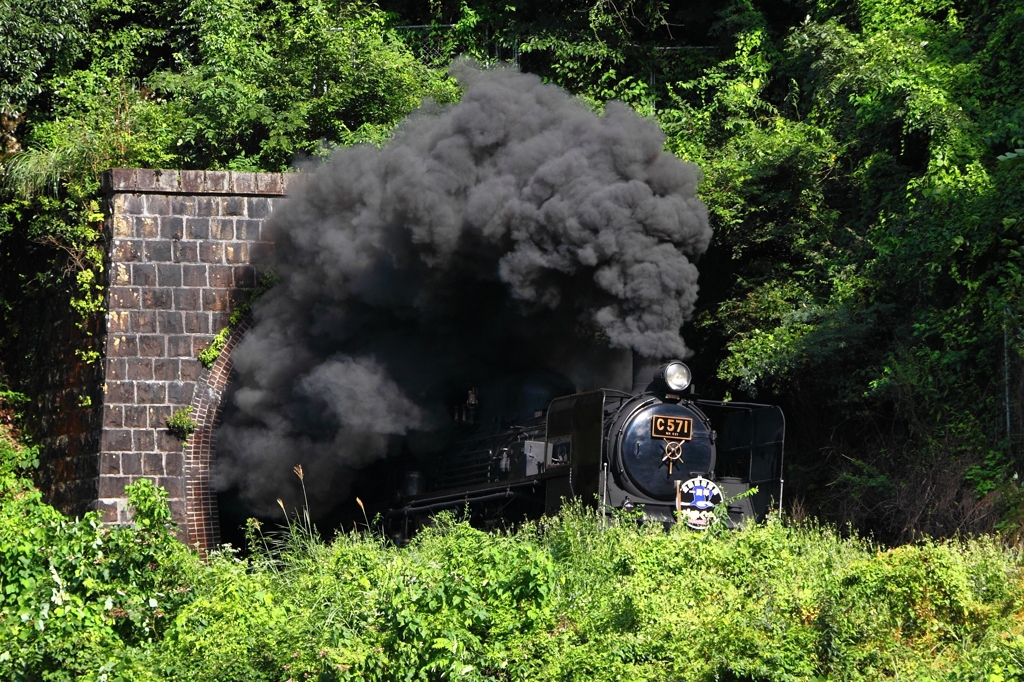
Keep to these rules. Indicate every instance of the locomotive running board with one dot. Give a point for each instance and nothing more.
(486, 493)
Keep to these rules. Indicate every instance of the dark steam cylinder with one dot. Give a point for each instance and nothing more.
(650, 466)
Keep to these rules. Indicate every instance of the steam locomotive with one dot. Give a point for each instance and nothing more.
(523, 447)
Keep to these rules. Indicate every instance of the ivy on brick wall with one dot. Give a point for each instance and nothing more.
(209, 355)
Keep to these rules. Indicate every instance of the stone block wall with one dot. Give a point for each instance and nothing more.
(182, 248)
(66, 411)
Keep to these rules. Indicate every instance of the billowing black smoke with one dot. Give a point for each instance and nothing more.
(514, 230)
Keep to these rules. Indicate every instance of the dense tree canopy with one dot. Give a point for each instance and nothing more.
(866, 269)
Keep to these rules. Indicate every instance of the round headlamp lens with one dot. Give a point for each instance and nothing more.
(677, 376)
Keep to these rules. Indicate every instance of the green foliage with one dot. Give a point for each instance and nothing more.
(264, 82)
(39, 36)
(567, 597)
(597, 50)
(209, 355)
(181, 424)
(78, 598)
(238, 84)
(866, 255)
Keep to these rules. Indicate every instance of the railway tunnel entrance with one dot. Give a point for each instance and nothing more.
(182, 248)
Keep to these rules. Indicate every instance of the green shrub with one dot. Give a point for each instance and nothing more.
(181, 424)
(566, 598)
(77, 598)
(209, 355)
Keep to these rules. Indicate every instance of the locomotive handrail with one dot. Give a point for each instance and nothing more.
(446, 501)
(731, 403)
(496, 485)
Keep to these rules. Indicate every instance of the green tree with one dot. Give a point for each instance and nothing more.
(866, 252)
(240, 84)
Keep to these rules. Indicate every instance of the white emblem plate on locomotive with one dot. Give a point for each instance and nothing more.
(672, 428)
(696, 500)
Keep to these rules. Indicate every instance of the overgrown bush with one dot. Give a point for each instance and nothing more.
(865, 271)
(78, 598)
(569, 597)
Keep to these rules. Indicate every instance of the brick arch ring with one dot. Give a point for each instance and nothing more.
(201, 513)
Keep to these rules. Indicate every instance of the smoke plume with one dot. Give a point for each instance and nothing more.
(514, 230)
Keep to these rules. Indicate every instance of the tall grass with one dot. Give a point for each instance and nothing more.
(565, 599)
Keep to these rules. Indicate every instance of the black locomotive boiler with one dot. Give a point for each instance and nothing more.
(524, 447)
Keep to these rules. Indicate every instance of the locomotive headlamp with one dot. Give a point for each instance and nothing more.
(676, 375)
